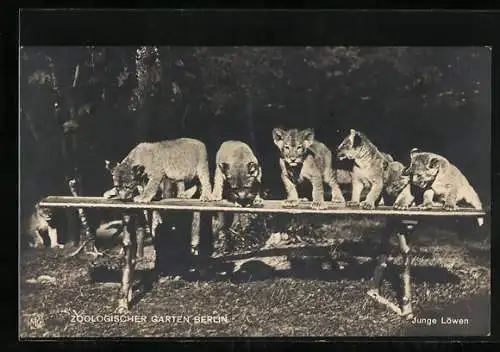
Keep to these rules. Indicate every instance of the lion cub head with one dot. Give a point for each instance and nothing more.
(423, 167)
(243, 180)
(44, 213)
(128, 180)
(351, 147)
(293, 144)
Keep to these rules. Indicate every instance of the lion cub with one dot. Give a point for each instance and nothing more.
(373, 170)
(39, 223)
(238, 178)
(441, 181)
(177, 160)
(397, 189)
(303, 157)
(237, 168)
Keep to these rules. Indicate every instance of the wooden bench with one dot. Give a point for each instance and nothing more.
(400, 223)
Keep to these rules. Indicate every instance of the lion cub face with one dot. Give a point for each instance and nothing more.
(423, 168)
(243, 181)
(350, 146)
(293, 144)
(128, 180)
(43, 213)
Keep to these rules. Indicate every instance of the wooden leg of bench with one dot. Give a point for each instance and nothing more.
(140, 235)
(403, 228)
(406, 308)
(129, 252)
(195, 233)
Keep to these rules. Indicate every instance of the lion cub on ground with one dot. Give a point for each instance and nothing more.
(177, 160)
(39, 223)
(373, 170)
(441, 181)
(303, 157)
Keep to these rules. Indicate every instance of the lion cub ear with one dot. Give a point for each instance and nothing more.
(356, 139)
(278, 135)
(308, 136)
(110, 165)
(414, 150)
(434, 163)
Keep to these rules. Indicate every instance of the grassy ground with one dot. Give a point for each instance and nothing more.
(317, 289)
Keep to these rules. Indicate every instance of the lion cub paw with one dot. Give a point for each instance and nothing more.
(141, 199)
(449, 207)
(206, 197)
(319, 204)
(352, 204)
(338, 201)
(37, 245)
(366, 205)
(291, 203)
(258, 202)
(426, 206)
(400, 206)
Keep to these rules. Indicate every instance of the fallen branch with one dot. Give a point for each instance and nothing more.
(376, 296)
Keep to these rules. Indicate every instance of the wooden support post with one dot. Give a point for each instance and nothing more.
(195, 233)
(402, 227)
(129, 252)
(140, 233)
(88, 235)
(408, 226)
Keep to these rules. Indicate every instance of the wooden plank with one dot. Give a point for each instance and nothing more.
(268, 206)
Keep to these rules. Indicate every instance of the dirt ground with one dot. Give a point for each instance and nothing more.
(287, 288)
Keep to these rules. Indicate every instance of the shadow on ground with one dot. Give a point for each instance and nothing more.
(310, 291)
(308, 263)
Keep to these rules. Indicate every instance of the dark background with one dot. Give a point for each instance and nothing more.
(433, 98)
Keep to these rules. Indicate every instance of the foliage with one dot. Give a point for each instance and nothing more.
(149, 88)
(232, 73)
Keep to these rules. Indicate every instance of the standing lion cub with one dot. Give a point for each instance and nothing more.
(303, 157)
(373, 170)
(150, 164)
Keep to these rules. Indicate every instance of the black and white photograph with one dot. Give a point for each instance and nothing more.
(254, 191)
